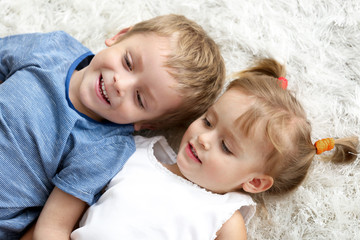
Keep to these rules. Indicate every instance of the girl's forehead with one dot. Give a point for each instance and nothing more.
(243, 116)
(233, 97)
(233, 103)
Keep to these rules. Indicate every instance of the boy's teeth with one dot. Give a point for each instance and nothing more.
(103, 90)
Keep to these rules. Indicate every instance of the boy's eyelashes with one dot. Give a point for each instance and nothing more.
(139, 100)
(128, 61)
(129, 66)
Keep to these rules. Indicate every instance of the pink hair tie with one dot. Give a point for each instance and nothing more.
(284, 82)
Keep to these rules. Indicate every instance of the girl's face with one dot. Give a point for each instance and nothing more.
(215, 154)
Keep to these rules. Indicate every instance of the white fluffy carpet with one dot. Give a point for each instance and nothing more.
(319, 41)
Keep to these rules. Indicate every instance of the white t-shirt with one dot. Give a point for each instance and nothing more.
(147, 201)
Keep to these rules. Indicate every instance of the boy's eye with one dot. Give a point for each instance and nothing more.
(225, 148)
(206, 122)
(140, 102)
(128, 62)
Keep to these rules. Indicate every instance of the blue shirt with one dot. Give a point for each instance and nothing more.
(44, 141)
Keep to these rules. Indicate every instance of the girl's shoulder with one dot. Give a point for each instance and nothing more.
(234, 228)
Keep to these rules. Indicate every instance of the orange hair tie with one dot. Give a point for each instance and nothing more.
(325, 144)
(284, 82)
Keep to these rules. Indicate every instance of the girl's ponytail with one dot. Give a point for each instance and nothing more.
(268, 67)
(345, 150)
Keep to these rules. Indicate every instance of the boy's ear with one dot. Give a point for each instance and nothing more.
(258, 184)
(142, 126)
(111, 41)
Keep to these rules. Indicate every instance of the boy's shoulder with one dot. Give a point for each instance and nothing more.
(40, 35)
(59, 37)
(59, 40)
(41, 49)
(51, 46)
(60, 34)
(66, 43)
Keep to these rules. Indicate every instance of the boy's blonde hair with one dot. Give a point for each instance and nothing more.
(196, 63)
(287, 127)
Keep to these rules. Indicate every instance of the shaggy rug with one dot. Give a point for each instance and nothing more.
(319, 41)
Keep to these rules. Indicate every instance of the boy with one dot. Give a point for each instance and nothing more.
(78, 112)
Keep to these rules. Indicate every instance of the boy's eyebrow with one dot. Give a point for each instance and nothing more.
(150, 102)
(137, 58)
(150, 99)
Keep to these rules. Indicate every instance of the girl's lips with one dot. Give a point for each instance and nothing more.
(191, 152)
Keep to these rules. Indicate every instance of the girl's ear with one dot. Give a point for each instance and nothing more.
(111, 41)
(258, 184)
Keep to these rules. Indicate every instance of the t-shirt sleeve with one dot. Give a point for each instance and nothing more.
(84, 175)
(12, 50)
(31, 49)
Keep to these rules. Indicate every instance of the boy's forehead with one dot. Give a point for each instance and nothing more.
(163, 43)
(150, 42)
(142, 47)
(148, 35)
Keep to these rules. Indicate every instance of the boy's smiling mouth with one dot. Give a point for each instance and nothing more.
(103, 89)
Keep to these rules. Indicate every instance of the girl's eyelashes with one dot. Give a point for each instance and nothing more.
(206, 122)
(139, 100)
(225, 148)
(128, 62)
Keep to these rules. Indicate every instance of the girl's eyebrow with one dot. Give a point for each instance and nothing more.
(233, 133)
(212, 111)
(234, 138)
(230, 132)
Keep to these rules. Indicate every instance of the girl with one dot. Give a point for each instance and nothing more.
(255, 140)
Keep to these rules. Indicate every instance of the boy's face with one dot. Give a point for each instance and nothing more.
(216, 155)
(127, 82)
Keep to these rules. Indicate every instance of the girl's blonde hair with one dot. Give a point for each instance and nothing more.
(287, 127)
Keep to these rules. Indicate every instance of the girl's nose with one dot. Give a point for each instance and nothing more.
(204, 140)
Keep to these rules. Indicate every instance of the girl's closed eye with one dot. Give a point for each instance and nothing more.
(206, 122)
(128, 62)
(139, 100)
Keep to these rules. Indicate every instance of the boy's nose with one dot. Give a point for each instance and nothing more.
(122, 85)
